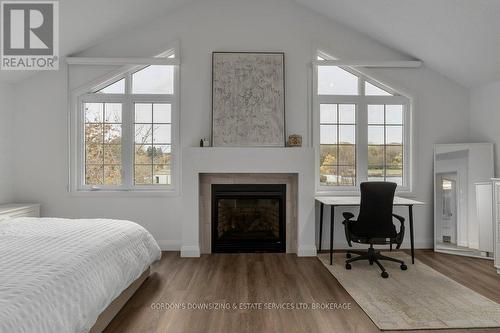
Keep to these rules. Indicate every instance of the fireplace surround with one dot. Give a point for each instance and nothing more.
(203, 167)
(248, 217)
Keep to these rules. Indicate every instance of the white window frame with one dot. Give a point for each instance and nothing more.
(77, 134)
(361, 103)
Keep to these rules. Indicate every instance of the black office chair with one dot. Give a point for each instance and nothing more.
(374, 224)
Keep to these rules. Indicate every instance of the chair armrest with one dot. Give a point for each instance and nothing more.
(401, 233)
(399, 218)
(347, 215)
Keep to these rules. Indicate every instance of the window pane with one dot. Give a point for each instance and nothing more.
(394, 114)
(375, 114)
(328, 134)
(143, 133)
(328, 113)
(161, 133)
(103, 134)
(347, 134)
(112, 174)
(94, 153)
(347, 113)
(143, 154)
(333, 80)
(375, 155)
(375, 179)
(394, 135)
(94, 112)
(93, 174)
(143, 113)
(394, 156)
(114, 88)
(347, 155)
(112, 134)
(328, 154)
(113, 113)
(155, 79)
(376, 172)
(376, 135)
(161, 154)
(143, 174)
(347, 175)
(328, 175)
(372, 90)
(394, 174)
(112, 154)
(153, 125)
(94, 133)
(161, 174)
(162, 113)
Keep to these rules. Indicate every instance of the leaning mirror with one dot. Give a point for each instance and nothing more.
(463, 220)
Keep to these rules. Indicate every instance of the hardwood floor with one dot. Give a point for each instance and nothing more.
(268, 279)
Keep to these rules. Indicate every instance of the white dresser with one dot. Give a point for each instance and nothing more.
(19, 210)
(496, 220)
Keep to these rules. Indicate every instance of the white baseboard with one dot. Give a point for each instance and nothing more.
(169, 245)
(190, 251)
(306, 251)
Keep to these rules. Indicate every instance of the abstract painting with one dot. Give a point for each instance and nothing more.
(248, 101)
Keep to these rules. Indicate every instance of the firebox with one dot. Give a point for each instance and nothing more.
(248, 218)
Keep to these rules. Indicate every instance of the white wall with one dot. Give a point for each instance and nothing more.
(485, 117)
(6, 141)
(441, 107)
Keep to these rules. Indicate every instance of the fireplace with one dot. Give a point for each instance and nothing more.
(248, 218)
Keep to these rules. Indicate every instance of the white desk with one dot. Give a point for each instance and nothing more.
(334, 201)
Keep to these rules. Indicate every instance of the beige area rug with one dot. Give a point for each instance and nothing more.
(418, 298)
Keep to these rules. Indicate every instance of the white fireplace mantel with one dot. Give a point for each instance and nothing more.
(247, 160)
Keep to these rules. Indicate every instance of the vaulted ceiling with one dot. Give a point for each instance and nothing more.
(458, 38)
(83, 24)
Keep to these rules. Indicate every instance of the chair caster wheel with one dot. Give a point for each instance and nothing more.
(348, 255)
(385, 275)
(404, 267)
(348, 266)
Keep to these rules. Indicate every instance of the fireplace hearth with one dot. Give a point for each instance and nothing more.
(248, 218)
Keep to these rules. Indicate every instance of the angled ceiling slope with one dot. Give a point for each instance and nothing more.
(83, 24)
(458, 38)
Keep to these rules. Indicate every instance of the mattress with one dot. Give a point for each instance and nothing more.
(58, 275)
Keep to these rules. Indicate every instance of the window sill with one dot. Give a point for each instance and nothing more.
(125, 193)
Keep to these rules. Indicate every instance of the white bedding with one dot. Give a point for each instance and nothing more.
(58, 275)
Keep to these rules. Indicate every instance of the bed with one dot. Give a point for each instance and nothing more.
(62, 275)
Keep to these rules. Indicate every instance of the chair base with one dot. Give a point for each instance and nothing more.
(373, 257)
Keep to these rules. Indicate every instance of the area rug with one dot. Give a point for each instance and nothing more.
(418, 298)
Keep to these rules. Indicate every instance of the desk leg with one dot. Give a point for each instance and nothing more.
(321, 207)
(332, 217)
(412, 242)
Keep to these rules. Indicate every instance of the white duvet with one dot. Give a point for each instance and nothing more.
(58, 275)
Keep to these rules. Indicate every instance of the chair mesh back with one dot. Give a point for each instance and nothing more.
(375, 212)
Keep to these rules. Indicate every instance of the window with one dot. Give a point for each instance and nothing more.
(338, 144)
(103, 143)
(362, 130)
(128, 130)
(153, 143)
(385, 143)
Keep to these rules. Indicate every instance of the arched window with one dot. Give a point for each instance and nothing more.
(361, 132)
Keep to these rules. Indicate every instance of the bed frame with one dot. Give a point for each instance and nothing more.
(112, 310)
